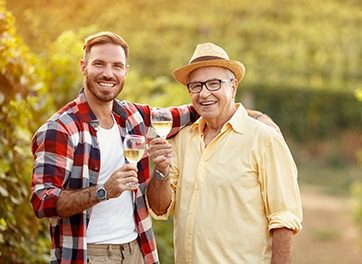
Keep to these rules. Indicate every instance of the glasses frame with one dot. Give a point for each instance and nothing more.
(206, 85)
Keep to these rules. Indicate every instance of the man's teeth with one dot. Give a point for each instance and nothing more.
(106, 84)
(207, 103)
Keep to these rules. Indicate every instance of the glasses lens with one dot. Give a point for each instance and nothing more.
(213, 85)
(194, 87)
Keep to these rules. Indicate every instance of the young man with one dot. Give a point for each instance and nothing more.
(80, 179)
(233, 184)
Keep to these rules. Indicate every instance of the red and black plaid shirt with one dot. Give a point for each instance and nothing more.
(67, 156)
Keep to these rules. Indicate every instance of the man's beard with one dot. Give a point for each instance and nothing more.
(91, 86)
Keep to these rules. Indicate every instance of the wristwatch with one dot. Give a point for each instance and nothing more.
(160, 176)
(101, 193)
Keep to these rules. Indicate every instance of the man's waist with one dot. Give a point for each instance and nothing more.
(104, 249)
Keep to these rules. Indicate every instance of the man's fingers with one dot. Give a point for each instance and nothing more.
(129, 167)
(158, 153)
(159, 147)
(155, 148)
(121, 181)
(157, 141)
(160, 159)
(131, 183)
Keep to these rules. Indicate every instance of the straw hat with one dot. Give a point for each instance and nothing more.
(208, 55)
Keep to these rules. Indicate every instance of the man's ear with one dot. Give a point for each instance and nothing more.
(126, 69)
(235, 84)
(83, 65)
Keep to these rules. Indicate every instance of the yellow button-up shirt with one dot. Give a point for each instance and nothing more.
(229, 194)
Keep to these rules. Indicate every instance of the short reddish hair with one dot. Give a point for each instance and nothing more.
(104, 37)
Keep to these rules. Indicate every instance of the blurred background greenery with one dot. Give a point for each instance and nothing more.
(303, 67)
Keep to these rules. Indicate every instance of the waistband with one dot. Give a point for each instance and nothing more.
(106, 249)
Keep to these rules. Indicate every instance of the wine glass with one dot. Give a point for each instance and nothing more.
(134, 147)
(161, 119)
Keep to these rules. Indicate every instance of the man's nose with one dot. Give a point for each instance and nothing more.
(204, 91)
(107, 72)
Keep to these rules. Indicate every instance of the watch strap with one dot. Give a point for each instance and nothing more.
(160, 176)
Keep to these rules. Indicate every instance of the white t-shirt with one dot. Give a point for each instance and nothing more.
(112, 221)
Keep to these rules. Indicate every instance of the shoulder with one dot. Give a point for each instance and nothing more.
(63, 117)
(53, 130)
(67, 117)
(131, 108)
(130, 105)
(64, 123)
(262, 133)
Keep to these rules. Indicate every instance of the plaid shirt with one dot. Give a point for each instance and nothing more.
(67, 156)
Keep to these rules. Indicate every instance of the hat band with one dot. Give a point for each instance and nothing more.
(206, 58)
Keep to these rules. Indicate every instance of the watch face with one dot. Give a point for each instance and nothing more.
(101, 194)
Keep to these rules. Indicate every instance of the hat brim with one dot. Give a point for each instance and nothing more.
(181, 74)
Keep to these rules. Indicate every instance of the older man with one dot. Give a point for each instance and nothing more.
(232, 185)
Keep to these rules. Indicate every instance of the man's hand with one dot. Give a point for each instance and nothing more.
(71, 202)
(263, 118)
(123, 179)
(160, 152)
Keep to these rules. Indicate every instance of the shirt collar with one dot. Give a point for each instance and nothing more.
(85, 113)
(236, 122)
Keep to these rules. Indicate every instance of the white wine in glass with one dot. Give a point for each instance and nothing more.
(134, 147)
(133, 155)
(161, 119)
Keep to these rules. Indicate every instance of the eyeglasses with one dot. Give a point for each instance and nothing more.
(211, 85)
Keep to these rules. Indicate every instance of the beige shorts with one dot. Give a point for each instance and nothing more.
(128, 253)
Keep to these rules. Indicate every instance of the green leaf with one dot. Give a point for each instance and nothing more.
(3, 225)
(4, 167)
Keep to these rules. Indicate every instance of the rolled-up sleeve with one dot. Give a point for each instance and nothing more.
(281, 195)
(53, 159)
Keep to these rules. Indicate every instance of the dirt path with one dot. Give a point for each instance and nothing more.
(328, 234)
